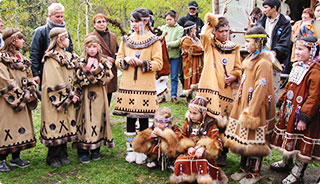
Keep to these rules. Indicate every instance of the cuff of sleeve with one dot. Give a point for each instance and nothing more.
(303, 117)
(146, 66)
(124, 65)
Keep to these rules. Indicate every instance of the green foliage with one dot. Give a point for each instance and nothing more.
(30, 14)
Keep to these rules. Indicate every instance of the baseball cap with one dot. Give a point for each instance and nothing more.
(193, 4)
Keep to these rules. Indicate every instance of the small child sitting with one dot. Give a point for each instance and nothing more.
(201, 145)
(159, 142)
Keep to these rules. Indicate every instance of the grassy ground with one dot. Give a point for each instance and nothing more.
(112, 168)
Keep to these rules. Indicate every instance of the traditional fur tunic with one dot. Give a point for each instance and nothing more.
(300, 101)
(252, 116)
(154, 147)
(192, 55)
(58, 121)
(137, 96)
(187, 167)
(219, 59)
(16, 84)
(93, 122)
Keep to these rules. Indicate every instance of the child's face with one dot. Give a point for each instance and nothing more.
(170, 20)
(317, 12)
(18, 43)
(222, 34)
(251, 45)
(302, 52)
(162, 124)
(92, 49)
(194, 31)
(194, 114)
(65, 42)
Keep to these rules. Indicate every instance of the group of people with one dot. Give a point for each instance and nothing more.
(76, 94)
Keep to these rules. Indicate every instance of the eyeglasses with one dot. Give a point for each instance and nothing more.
(163, 120)
(101, 21)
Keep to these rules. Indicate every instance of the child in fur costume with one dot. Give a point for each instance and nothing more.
(160, 141)
(18, 96)
(200, 146)
(252, 117)
(297, 132)
(192, 59)
(58, 121)
(93, 75)
(222, 66)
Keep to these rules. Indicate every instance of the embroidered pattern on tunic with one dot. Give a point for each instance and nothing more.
(139, 45)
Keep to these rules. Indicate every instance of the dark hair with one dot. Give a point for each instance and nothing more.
(258, 30)
(188, 24)
(318, 4)
(261, 41)
(172, 13)
(138, 13)
(311, 39)
(256, 11)
(151, 17)
(272, 3)
(222, 22)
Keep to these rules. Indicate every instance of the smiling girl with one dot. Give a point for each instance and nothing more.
(296, 134)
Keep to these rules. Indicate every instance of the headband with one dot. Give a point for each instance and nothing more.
(15, 34)
(200, 108)
(224, 28)
(256, 36)
(307, 44)
(164, 120)
(62, 34)
(189, 27)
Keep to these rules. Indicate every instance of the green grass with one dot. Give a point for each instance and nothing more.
(112, 167)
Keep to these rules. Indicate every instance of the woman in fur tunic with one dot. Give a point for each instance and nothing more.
(160, 141)
(200, 145)
(297, 132)
(93, 120)
(18, 96)
(252, 116)
(192, 59)
(139, 57)
(58, 121)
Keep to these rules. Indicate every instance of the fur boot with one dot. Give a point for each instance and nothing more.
(131, 155)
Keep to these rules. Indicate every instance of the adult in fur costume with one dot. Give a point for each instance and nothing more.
(200, 146)
(223, 69)
(160, 141)
(192, 59)
(93, 122)
(139, 57)
(252, 117)
(109, 47)
(296, 133)
(18, 96)
(58, 121)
